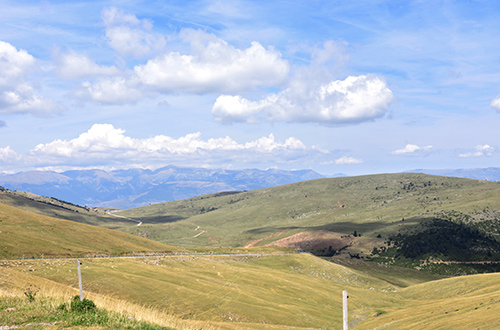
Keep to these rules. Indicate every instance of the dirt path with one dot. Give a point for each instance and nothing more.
(122, 217)
(196, 229)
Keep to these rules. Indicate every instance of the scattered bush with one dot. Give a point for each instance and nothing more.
(62, 307)
(85, 305)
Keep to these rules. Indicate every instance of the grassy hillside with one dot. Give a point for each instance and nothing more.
(56, 208)
(268, 292)
(26, 234)
(354, 213)
(469, 302)
(251, 292)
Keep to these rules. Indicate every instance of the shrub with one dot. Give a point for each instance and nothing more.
(85, 305)
(62, 307)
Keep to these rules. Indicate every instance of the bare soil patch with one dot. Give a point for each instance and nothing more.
(315, 240)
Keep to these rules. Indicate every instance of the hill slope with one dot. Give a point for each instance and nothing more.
(355, 213)
(56, 208)
(26, 234)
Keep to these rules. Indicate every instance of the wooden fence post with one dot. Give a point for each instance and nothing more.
(80, 279)
(344, 311)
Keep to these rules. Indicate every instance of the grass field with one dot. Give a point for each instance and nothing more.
(26, 234)
(267, 292)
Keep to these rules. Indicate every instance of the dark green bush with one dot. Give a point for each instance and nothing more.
(85, 305)
(62, 307)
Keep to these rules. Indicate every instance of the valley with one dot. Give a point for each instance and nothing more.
(273, 258)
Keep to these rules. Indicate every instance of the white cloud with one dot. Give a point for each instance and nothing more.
(353, 100)
(481, 150)
(495, 103)
(128, 35)
(74, 65)
(213, 66)
(16, 94)
(107, 144)
(7, 155)
(14, 64)
(207, 64)
(411, 149)
(347, 160)
(115, 90)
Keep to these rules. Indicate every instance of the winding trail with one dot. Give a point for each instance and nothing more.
(198, 233)
(122, 217)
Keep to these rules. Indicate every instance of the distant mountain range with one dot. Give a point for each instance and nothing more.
(139, 187)
(489, 174)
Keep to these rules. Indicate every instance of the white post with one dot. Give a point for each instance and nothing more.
(80, 279)
(344, 310)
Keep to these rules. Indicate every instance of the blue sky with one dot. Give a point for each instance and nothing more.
(354, 87)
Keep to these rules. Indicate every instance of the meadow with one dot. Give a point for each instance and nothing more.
(262, 292)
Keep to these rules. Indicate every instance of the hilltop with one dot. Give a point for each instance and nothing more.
(349, 215)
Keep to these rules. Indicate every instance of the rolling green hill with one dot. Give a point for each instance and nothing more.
(27, 234)
(350, 215)
(56, 208)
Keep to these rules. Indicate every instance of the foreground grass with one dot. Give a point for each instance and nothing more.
(54, 312)
(13, 284)
(468, 302)
(221, 292)
(266, 292)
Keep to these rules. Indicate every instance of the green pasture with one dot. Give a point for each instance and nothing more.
(374, 206)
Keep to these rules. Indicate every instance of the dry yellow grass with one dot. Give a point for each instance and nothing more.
(279, 289)
(14, 283)
(26, 234)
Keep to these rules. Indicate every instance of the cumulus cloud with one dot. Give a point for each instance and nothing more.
(17, 95)
(115, 90)
(104, 142)
(213, 66)
(14, 64)
(495, 103)
(353, 100)
(129, 35)
(7, 155)
(201, 63)
(481, 150)
(74, 65)
(411, 149)
(347, 160)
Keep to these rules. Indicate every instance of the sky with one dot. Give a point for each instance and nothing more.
(352, 87)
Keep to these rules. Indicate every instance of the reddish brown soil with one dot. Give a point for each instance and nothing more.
(315, 240)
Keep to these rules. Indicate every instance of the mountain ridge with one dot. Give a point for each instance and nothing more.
(128, 188)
